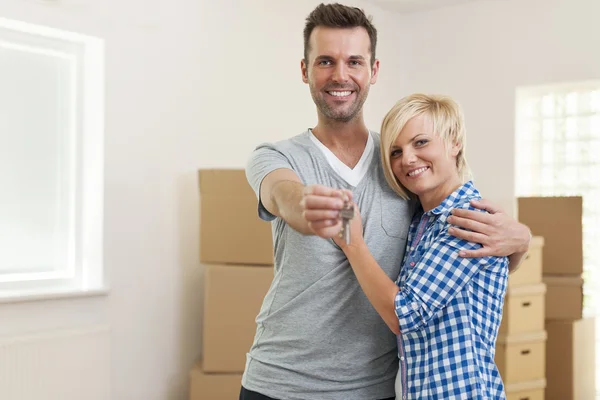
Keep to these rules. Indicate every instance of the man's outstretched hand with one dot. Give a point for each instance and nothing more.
(321, 206)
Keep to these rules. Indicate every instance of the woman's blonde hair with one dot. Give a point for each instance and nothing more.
(448, 123)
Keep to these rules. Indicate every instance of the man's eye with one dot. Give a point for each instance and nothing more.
(324, 62)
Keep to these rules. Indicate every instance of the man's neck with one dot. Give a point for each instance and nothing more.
(347, 140)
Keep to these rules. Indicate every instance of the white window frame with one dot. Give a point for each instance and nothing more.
(84, 273)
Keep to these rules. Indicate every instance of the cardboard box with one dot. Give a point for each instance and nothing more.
(532, 390)
(233, 296)
(559, 221)
(523, 310)
(530, 270)
(521, 358)
(564, 297)
(205, 386)
(230, 229)
(570, 361)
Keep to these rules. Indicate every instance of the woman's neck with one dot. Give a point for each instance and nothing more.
(432, 198)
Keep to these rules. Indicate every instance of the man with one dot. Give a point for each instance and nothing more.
(317, 335)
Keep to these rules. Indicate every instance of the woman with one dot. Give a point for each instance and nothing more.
(445, 309)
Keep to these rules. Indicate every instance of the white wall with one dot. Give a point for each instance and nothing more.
(190, 84)
(481, 52)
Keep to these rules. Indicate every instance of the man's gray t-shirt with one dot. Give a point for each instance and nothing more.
(317, 335)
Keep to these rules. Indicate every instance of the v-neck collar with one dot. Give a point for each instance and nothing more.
(352, 176)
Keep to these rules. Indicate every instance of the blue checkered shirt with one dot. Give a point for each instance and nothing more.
(449, 310)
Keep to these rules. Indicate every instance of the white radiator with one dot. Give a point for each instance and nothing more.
(64, 365)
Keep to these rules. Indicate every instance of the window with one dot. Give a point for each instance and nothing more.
(558, 154)
(51, 160)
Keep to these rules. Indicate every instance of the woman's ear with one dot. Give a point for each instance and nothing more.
(456, 149)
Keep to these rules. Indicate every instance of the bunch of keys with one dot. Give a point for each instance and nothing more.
(347, 214)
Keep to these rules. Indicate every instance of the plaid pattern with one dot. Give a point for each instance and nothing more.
(449, 310)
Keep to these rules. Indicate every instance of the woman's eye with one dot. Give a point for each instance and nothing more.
(421, 142)
(396, 153)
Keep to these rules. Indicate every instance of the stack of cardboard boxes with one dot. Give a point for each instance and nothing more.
(570, 348)
(521, 344)
(237, 253)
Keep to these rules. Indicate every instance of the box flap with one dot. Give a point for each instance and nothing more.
(522, 338)
(529, 385)
(563, 280)
(198, 369)
(522, 290)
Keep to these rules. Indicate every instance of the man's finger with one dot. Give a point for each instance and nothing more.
(482, 252)
(469, 224)
(312, 202)
(348, 194)
(474, 215)
(486, 205)
(320, 190)
(321, 215)
(472, 237)
(326, 228)
(323, 224)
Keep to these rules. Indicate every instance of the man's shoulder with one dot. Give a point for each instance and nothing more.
(283, 145)
(303, 139)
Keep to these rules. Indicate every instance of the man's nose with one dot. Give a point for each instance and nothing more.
(340, 73)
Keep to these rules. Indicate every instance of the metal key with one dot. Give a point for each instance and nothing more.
(347, 214)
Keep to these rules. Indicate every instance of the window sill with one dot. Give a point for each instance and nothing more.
(39, 295)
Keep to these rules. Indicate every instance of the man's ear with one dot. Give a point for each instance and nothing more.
(374, 72)
(304, 69)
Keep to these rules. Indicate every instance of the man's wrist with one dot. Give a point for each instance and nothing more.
(527, 243)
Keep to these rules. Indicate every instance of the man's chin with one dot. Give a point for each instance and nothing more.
(341, 116)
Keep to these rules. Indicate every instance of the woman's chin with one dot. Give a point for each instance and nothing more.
(414, 189)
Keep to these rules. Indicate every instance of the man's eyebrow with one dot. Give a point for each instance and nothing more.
(326, 57)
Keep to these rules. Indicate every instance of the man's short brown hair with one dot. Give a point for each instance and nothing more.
(338, 16)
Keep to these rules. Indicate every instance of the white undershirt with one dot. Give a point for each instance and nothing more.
(350, 175)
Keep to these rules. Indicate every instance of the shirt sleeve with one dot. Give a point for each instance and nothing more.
(264, 160)
(436, 280)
